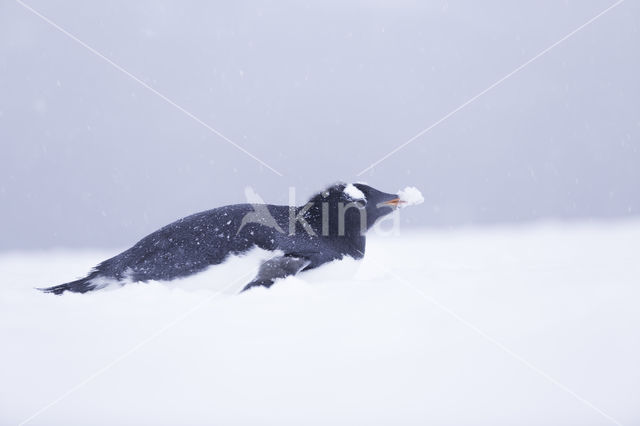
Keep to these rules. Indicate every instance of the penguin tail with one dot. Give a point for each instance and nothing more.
(82, 285)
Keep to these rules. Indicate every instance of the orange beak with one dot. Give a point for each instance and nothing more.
(395, 202)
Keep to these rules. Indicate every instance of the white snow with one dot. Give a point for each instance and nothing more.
(411, 196)
(407, 340)
(353, 192)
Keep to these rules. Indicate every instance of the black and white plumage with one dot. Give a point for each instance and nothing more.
(330, 226)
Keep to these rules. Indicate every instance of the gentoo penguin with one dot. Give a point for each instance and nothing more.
(330, 226)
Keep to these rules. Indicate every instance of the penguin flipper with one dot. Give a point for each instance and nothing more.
(278, 267)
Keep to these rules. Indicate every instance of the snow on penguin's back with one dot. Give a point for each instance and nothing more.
(354, 192)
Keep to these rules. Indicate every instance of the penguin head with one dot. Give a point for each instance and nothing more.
(356, 205)
(377, 204)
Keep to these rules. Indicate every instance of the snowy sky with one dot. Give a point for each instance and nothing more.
(318, 91)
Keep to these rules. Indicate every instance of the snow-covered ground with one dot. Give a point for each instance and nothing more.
(497, 326)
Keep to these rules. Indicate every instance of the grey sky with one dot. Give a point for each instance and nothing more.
(319, 91)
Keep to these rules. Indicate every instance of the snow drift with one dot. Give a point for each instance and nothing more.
(411, 335)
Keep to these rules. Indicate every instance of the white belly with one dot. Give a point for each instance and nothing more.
(228, 277)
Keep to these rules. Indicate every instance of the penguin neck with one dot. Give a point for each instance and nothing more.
(324, 220)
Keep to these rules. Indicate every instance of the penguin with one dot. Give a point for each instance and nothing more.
(330, 226)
